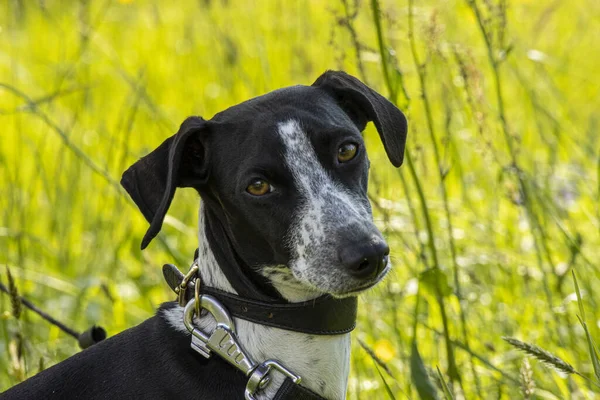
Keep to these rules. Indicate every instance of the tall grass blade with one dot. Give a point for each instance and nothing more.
(591, 348)
(419, 375)
(388, 390)
(590, 341)
(447, 392)
(578, 293)
(374, 357)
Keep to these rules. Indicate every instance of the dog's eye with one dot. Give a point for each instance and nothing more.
(347, 152)
(258, 187)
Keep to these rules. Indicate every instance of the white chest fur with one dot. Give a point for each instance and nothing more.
(323, 362)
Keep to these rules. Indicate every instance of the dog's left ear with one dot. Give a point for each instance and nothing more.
(180, 161)
(364, 104)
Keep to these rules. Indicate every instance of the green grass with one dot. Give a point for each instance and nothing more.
(496, 204)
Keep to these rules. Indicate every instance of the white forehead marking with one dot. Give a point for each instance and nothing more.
(301, 160)
(325, 206)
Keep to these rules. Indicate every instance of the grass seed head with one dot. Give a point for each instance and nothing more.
(542, 355)
(15, 299)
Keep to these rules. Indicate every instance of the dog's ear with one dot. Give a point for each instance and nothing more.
(180, 161)
(363, 104)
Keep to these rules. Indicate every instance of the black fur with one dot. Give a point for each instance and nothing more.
(149, 361)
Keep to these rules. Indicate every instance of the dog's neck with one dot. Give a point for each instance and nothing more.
(323, 362)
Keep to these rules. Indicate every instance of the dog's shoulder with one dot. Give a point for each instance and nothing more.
(151, 359)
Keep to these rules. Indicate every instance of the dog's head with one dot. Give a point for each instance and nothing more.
(287, 175)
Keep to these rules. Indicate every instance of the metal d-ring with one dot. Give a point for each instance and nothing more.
(197, 285)
(260, 377)
(184, 282)
(213, 306)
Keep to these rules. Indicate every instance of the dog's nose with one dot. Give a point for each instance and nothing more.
(365, 261)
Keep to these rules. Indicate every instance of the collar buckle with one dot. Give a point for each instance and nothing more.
(182, 288)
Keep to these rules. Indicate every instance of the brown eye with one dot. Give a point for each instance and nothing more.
(347, 152)
(258, 187)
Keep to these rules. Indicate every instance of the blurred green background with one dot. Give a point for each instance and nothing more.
(497, 202)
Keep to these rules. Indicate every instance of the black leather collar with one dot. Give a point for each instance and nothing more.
(322, 316)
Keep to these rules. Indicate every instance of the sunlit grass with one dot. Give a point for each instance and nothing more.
(497, 202)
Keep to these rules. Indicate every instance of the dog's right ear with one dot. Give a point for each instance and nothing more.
(365, 104)
(180, 161)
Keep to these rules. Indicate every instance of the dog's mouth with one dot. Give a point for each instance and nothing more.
(365, 286)
(296, 289)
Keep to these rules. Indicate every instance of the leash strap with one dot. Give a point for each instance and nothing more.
(322, 316)
(289, 390)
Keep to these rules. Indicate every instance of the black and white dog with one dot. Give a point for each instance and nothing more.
(284, 219)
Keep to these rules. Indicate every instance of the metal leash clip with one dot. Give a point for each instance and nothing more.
(224, 342)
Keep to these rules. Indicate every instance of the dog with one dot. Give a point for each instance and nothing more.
(284, 222)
